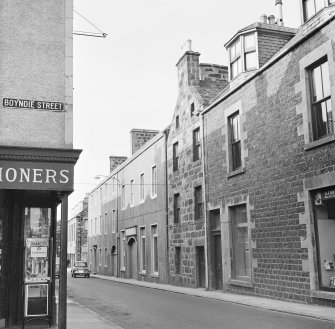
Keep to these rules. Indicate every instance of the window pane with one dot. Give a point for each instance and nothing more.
(240, 214)
(249, 41)
(234, 128)
(319, 4)
(317, 84)
(325, 79)
(250, 60)
(323, 119)
(238, 47)
(240, 243)
(309, 9)
(236, 155)
(240, 246)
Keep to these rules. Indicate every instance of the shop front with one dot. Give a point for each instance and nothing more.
(324, 225)
(33, 182)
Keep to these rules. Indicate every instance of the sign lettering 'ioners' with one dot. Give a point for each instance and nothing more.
(29, 175)
(29, 104)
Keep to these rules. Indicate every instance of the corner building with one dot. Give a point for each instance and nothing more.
(36, 156)
(271, 184)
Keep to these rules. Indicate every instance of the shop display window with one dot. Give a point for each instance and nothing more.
(37, 230)
(1, 252)
(324, 211)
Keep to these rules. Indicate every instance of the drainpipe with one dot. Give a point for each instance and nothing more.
(117, 233)
(204, 198)
(166, 209)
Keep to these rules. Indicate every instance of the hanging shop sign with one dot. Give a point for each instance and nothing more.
(36, 175)
(30, 104)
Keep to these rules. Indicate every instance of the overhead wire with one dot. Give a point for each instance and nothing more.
(90, 34)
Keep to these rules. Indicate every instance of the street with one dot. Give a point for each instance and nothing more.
(133, 307)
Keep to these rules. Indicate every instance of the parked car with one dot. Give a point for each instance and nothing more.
(80, 268)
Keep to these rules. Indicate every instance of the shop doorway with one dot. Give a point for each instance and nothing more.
(27, 265)
(201, 266)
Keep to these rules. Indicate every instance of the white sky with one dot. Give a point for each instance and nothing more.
(129, 79)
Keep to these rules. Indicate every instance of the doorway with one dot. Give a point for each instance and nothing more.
(216, 249)
(132, 258)
(201, 266)
(95, 259)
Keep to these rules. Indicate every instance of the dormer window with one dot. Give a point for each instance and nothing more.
(250, 56)
(311, 7)
(243, 55)
(235, 59)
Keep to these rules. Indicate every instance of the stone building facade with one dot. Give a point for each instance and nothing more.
(246, 196)
(198, 83)
(127, 214)
(270, 172)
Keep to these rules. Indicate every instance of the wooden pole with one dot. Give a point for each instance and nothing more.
(63, 265)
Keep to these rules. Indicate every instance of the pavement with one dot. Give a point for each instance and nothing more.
(79, 317)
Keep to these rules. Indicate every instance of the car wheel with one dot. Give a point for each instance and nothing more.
(74, 275)
(88, 276)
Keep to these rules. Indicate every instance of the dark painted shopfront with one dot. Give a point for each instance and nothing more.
(33, 182)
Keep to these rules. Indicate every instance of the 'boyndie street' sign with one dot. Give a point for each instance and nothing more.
(29, 104)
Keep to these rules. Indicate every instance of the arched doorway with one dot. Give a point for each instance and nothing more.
(132, 258)
(114, 260)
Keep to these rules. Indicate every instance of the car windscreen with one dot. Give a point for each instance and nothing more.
(81, 264)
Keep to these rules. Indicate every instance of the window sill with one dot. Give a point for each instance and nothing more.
(319, 142)
(323, 294)
(123, 269)
(143, 273)
(236, 172)
(155, 275)
(235, 282)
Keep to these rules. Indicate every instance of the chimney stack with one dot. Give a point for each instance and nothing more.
(280, 20)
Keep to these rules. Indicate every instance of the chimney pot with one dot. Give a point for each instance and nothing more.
(189, 45)
(263, 18)
(272, 19)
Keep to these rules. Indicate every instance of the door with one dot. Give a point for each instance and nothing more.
(95, 260)
(201, 266)
(217, 262)
(132, 258)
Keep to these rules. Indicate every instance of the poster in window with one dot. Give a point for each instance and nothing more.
(37, 260)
